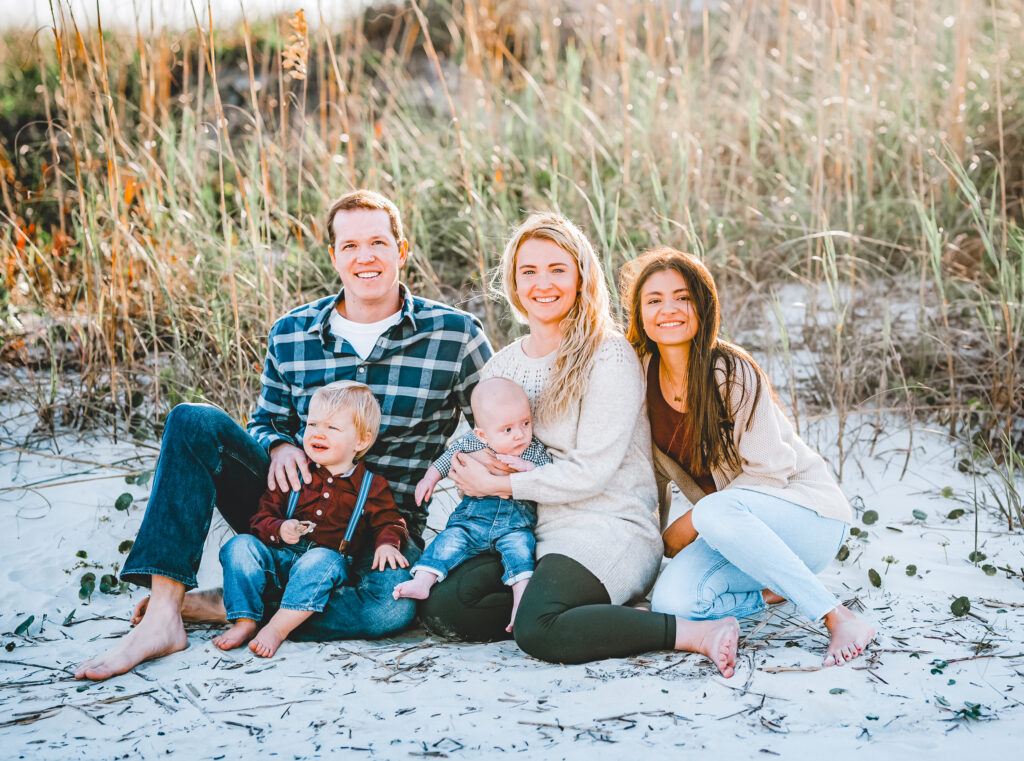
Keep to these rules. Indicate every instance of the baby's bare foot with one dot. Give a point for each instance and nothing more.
(770, 598)
(265, 643)
(416, 589)
(850, 635)
(237, 634)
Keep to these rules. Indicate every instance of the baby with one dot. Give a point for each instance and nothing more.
(299, 546)
(479, 524)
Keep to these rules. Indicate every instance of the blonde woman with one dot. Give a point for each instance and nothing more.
(766, 515)
(598, 540)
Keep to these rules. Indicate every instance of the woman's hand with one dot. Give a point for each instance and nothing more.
(679, 534)
(493, 461)
(475, 479)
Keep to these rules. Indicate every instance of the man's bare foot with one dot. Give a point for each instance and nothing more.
(517, 595)
(718, 640)
(417, 588)
(201, 606)
(160, 633)
(242, 630)
(770, 598)
(850, 635)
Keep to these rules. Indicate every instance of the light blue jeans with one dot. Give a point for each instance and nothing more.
(748, 541)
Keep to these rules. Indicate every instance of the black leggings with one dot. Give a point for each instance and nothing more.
(565, 616)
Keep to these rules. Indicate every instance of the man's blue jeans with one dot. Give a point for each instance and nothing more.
(482, 524)
(208, 461)
(748, 541)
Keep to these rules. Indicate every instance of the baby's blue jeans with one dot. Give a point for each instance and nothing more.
(749, 541)
(305, 571)
(482, 524)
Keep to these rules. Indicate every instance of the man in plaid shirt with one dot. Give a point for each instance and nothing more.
(421, 359)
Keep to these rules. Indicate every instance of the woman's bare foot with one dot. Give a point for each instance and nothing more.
(242, 630)
(718, 640)
(770, 598)
(160, 633)
(850, 635)
(417, 588)
(201, 606)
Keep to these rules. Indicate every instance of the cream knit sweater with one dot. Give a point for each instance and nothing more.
(773, 459)
(597, 500)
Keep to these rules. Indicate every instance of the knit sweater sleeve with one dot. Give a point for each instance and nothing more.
(607, 416)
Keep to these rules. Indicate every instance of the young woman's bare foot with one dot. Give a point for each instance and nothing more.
(417, 588)
(205, 606)
(517, 594)
(850, 635)
(718, 640)
(160, 633)
(242, 630)
(770, 598)
(279, 626)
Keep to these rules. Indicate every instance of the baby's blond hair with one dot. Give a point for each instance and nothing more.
(358, 397)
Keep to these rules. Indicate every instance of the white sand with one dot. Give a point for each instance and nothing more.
(415, 696)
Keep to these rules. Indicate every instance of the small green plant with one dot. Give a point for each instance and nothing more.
(910, 570)
(874, 577)
(870, 517)
(961, 606)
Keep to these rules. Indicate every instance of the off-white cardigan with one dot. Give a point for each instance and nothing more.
(773, 458)
(596, 501)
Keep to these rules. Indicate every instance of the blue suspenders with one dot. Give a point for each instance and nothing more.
(357, 511)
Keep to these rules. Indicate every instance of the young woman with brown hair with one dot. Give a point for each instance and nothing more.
(767, 514)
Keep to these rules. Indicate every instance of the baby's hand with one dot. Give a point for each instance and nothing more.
(291, 531)
(518, 463)
(425, 487)
(388, 554)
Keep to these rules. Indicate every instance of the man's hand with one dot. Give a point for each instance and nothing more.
(388, 554)
(517, 463)
(291, 531)
(426, 485)
(288, 468)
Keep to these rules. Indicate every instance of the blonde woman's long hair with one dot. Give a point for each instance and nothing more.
(588, 323)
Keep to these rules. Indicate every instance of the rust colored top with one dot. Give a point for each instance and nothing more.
(667, 428)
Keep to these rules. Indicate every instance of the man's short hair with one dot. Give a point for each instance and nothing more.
(358, 398)
(365, 199)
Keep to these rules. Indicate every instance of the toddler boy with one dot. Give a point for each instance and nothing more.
(302, 551)
(501, 410)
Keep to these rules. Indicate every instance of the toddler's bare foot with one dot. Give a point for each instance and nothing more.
(265, 643)
(850, 635)
(237, 634)
(417, 588)
(718, 640)
(770, 598)
(160, 633)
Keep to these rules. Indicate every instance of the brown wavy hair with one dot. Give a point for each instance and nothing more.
(716, 367)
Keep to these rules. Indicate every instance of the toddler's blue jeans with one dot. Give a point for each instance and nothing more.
(483, 524)
(749, 541)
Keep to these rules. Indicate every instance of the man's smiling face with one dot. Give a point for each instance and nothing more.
(368, 258)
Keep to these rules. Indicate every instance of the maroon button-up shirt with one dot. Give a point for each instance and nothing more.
(328, 501)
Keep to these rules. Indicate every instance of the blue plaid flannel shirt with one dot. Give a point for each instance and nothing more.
(422, 371)
(536, 453)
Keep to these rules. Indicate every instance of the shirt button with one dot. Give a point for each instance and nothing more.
(362, 369)
(319, 512)
(327, 495)
(330, 480)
